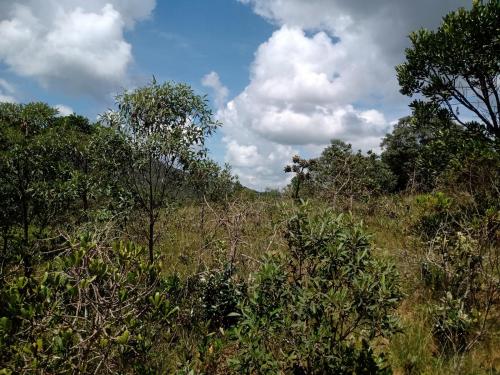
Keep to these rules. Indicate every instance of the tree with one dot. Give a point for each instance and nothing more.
(64, 185)
(301, 168)
(165, 126)
(77, 132)
(420, 146)
(20, 127)
(401, 150)
(457, 65)
(339, 172)
(429, 149)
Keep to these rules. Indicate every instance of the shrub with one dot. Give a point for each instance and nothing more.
(216, 294)
(459, 267)
(319, 306)
(341, 173)
(92, 309)
(452, 323)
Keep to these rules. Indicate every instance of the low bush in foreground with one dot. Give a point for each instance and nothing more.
(321, 306)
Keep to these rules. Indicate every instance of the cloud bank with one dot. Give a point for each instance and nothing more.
(326, 72)
(73, 45)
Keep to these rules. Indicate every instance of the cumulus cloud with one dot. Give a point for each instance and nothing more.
(6, 92)
(74, 45)
(221, 92)
(296, 97)
(327, 72)
(385, 22)
(64, 110)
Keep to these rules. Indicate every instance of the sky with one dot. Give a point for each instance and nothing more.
(284, 77)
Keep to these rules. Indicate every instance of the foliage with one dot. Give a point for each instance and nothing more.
(109, 152)
(22, 184)
(321, 300)
(428, 150)
(453, 324)
(91, 309)
(319, 306)
(339, 172)
(55, 172)
(457, 65)
(301, 168)
(217, 294)
(420, 147)
(211, 182)
(165, 126)
(476, 172)
(459, 268)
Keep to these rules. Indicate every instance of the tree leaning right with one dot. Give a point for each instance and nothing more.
(457, 66)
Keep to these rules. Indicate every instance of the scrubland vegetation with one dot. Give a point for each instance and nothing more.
(125, 249)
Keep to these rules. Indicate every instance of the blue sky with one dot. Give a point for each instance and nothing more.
(284, 77)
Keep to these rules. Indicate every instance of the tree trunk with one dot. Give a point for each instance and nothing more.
(26, 252)
(85, 200)
(5, 241)
(151, 211)
(24, 209)
(202, 223)
(151, 237)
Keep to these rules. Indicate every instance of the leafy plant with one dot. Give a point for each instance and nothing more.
(319, 306)
(340, 173)
(92, 309)
(165, 126)
(452, 324)
(457, 65)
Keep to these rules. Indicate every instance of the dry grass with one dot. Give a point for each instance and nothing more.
(241, 231)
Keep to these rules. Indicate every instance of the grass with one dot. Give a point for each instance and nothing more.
(413, 350)
(242, 231)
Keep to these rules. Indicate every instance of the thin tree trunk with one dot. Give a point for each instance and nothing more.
(85, 200)
(202, 223)
(5, 241)
(25, 223)
(151, 237)
(151, 212)
(26, 255)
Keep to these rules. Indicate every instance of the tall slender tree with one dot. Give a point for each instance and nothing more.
(166, 126)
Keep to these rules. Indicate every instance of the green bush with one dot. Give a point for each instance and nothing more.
(319, 306)
(341, 174)
(216, 294)
(92, 309)
(452, 324)
(438, 212)
(459, 267)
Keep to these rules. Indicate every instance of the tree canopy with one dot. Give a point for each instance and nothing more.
(165, 126)
(458, 65)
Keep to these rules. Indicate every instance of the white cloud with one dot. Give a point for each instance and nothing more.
(77, 46)
(296, 97)
(327, 72)
(64, 110)
(6, 92)
(221, 92)
(385, 22)
(7, 98)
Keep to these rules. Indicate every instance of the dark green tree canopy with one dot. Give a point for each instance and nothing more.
(458, 65)
(341, 172)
